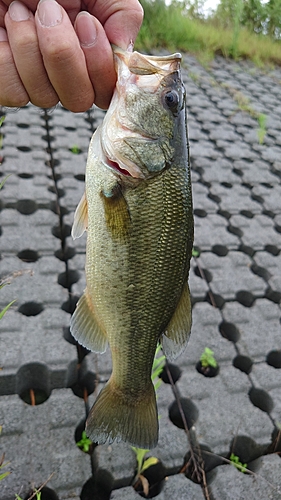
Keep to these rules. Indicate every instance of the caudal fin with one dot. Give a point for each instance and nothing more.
(115, 417)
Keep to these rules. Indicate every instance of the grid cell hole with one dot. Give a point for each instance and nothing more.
(215, 300)
(214, 197)
(80, 380)
(23, 125)
(247, 250)
(235, 230)
(25, 175)
(245, 298)
(247, 450)
(220, 250)
(268, 213)
(273, 358)
(61, 232)
(58, 191)
(190, 411)
(99, 487)
(70, 304)
(257, 198)
(58, 209)
(226, 185)
(243, 363)
(260, 271)
(225, 214)
(209, 462)
(229, 331)
(31, 308)
(26, 207)
(203, 274)
(80, 177)
(273, 295)
(272, 249)
(24, 149)
(199, 212)
(247, 213)
(33, 383)
(155, 475)
(261, 399)
(28, 255)
(238, 172)
(68, 278)
(174, 371)
(65, 254)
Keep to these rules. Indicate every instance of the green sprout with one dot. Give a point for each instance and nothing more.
(234, 459)
(85, 443)
(262, 127)
(36, 494)
(2, 464)
(75, 150)
(195, 252)
(207, 358)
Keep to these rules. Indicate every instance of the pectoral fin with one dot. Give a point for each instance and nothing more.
(84, 326)
(117, 213)
(80, 223)
(177, 333)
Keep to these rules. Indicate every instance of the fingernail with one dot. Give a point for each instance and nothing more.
(18, 11)
(3, 35)
(86, 29)
(49, 13)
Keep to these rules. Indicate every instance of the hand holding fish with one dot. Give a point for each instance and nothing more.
(61, 51)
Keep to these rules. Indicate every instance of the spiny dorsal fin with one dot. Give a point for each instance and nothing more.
(177, 333)
(80, 223)
(84, 326)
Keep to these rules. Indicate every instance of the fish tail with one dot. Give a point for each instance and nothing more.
(118, 416)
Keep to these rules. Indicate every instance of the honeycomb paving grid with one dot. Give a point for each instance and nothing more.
(234, 281)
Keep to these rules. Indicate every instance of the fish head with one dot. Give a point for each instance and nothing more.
(139, 132)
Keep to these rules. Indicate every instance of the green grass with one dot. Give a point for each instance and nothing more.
(168, 27)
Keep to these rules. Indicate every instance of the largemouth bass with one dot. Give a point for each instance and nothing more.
(137, 210)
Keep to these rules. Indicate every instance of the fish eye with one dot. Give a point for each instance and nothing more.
(172, 100)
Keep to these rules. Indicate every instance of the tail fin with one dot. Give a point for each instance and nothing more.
(116, 416)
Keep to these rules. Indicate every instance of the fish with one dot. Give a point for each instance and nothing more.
(137, 211)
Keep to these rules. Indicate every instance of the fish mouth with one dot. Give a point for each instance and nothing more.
(116, 167)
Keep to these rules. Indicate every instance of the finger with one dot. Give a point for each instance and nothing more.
(98, 55)
(72, 7)
(63, 57)
(27, 57)
(121, 19)
(3, 10)
(12, 91)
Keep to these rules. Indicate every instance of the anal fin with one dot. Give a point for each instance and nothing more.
(176, 335)
(84, 326)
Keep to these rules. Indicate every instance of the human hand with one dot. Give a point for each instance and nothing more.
(51, 52)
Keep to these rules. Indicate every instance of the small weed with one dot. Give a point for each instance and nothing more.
(75, 150)
(85, 443)
(195, 252)
(207, 358)
(234, 459)
(36, 495)
(262, 127)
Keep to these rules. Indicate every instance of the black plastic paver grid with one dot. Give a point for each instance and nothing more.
(235, 285)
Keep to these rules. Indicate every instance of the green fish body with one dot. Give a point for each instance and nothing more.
(137, 210)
